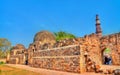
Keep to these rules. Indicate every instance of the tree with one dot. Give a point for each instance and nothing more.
(63, 35)
(5, 46)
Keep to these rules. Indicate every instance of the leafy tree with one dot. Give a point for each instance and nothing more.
(5, 46)
(63, 35)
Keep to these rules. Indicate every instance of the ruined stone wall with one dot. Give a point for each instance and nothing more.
(67, 55)
(113, 43)
(17, 56)
(91, 47)
(17, 59)
(67, 58)
(64, 59)
(94, 47)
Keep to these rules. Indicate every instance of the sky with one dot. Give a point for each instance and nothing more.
(20, 20)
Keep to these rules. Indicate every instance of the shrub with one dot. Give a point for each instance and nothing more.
(1, 62)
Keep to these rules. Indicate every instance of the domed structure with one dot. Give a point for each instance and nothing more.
(19, 46)
(44, 37)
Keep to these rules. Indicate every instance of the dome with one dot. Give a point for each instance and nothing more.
(44, 37)
(19, 46)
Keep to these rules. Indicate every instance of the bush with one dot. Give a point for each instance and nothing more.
(1, 62)
(63, 35)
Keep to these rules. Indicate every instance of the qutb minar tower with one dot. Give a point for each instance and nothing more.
(98, 28)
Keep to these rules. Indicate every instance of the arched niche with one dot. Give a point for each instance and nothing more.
(106, 56)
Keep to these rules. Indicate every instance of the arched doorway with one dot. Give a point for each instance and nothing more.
(106, 56)
(26, 59)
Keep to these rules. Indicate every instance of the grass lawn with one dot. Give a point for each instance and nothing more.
(6, 70)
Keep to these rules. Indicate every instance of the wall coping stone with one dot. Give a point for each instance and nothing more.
(57, 48)
(56, 56)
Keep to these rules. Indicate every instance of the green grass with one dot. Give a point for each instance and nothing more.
(6, 70)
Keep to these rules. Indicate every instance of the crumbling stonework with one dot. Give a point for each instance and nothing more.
(91, 46)
(17, 55)
(113, 43)
(63, 63)
(62, 51)
(72, 55)
(65, 58)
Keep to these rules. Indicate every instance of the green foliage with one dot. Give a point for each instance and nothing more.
(107, 50)
(63, 35)
(2, 63)
(5, 46)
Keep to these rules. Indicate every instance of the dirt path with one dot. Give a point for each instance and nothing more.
(48, 72)
(110, 67)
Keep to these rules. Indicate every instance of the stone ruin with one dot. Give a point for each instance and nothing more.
(17, 55)
(78, 55)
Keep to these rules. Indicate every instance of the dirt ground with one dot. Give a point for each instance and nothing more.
(53, 72)
(7, 70)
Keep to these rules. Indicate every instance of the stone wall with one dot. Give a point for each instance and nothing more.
(94, 47)
(63, 63)
(17, 55)
(113, 43)
(17, 59)
(91, 45)
(63, 58)
(61, 51)
(72, 55)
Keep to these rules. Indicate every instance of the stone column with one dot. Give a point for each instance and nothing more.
(82, 60)
(24, 59)
(17, 60)
(8, 58)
